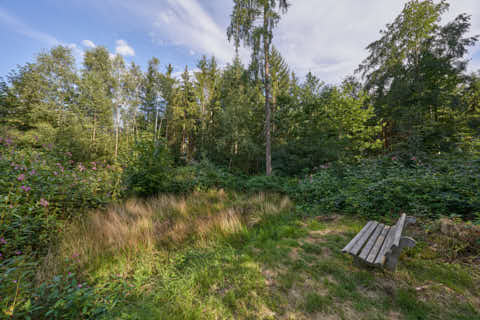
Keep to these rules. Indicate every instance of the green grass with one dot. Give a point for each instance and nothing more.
(276, 264)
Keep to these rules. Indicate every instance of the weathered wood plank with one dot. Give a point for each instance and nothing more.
(371, 242)
(398, 230)
(380, 259)
(378, 245)
(363, 239)
(358, 236)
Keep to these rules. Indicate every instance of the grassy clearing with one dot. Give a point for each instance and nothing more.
(218, 255)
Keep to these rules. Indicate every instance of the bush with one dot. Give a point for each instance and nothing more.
(41, 188)
(149, 168)
(390, 186)
(63, 297)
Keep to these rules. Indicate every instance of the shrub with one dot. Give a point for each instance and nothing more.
(148, 169)
(390, 186)
(41, 188)
(62, 297)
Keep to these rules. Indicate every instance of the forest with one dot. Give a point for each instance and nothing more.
(228, 192)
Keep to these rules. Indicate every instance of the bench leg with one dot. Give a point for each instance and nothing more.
(392, 258)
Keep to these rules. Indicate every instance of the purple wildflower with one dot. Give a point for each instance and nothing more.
(33, 172)
(25, 188)
(18, 253)
(414, 158)
(3, 241)
(21, 177)
(80, 286)
(43, 203)
(55, 173)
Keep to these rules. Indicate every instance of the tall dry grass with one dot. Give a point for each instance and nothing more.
(166, 222)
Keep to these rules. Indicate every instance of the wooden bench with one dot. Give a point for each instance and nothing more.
(380, 245)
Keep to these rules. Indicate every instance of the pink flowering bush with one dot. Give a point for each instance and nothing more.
(42, 188)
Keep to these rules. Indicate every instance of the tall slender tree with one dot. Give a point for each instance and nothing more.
(244, 28)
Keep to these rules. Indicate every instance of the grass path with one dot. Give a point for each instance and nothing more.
(277, 264)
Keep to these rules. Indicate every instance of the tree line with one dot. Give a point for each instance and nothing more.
(411, 95)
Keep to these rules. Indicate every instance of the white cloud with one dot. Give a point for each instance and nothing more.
(329, 37)
(184, 23)
(124, 49)
(77, 52)
(88, 43)
(192, 52)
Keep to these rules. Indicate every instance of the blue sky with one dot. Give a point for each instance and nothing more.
(327, 37)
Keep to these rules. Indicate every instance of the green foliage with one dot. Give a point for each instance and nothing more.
(148, 168)
(383, 187)
(62, 297)
(40, 188)
(387, 187)
(414, 73)
(331, 123)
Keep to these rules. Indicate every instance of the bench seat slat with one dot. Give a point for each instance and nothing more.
(380, 259)
(363, 239)
(371, 242)
(378, 245)
(349, 246)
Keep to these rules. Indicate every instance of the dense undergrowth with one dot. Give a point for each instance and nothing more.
(381, 187)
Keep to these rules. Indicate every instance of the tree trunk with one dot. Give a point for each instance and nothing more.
(266, 48)
(116, 136)
(156, 125)
(160, 128)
